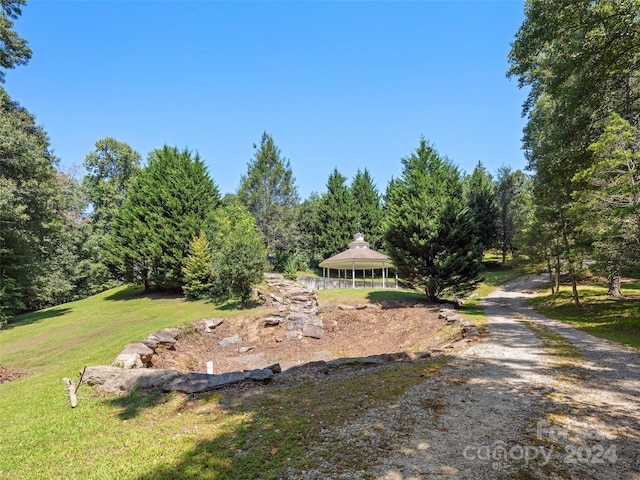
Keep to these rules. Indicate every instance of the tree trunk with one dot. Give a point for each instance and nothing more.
(556, 280)
(572, 269)
(574, 287)
(614, 284)
(549, 268)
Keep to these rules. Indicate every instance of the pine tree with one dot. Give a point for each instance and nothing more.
(367, 208)
(269, 193)
(197, 269)
(336, 222)
(111, 168)
(167, 204)
(481, 200)
(429, 231)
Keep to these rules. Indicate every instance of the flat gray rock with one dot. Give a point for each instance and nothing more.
(230, 341)
(201, 382)
(313, 331)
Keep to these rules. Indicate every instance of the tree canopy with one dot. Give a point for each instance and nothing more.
(268, 191)
(14, 50)
(429, 231)
(167, 204)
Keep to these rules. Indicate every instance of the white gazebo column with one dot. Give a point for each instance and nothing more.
(353, 274)
(383, 269)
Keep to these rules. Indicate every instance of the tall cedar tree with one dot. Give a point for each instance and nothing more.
(308, 249)
(481, 199)
(167, 204)
(367, 208)
(336, 222)
(269, 193)
(429, 231)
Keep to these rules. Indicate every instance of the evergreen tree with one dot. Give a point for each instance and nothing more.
(611, 202)
(429, 231)
(511, 189)
(167, 204)
(197, 269)
(308, 250)
(336, 222)
(481, 200)
(367, 208)
(269, 193)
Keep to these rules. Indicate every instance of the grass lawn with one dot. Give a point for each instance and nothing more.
(256, 434)
(617, 319)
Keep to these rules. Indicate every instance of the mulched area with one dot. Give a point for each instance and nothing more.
(8, 374)
(347, 333)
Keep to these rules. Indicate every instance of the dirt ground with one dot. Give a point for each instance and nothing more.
(8, 374)
(347, 333)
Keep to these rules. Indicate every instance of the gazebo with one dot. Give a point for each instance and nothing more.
(358, 257)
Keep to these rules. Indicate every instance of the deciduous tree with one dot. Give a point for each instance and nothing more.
(14, 50)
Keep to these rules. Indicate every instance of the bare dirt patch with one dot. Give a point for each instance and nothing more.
(347, 333)
(8, 374)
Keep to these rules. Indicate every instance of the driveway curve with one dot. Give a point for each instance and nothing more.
(535, 399)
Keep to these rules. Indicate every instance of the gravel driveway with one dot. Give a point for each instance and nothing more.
(512, 406)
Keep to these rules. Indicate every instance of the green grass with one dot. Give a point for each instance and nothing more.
(42, 437)
(616, 319)
(150, 435)
(350, 296)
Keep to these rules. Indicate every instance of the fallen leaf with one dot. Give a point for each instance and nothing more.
(274, 450)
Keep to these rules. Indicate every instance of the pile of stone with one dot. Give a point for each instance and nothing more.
(131, 368)
(298, 308)
(140, 354)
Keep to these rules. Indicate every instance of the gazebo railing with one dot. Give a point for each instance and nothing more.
(317, 283)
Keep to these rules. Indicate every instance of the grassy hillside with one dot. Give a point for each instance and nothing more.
(41, 436)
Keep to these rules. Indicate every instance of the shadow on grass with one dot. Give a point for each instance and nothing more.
(396, 298)
(133, 292)
(280, 431)
(34, 317)
(131, 405)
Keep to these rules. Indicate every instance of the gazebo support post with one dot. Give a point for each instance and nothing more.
(353, 274)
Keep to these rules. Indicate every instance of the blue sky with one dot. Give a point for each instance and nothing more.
(351, 85)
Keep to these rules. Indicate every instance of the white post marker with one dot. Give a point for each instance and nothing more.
(210, 367)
